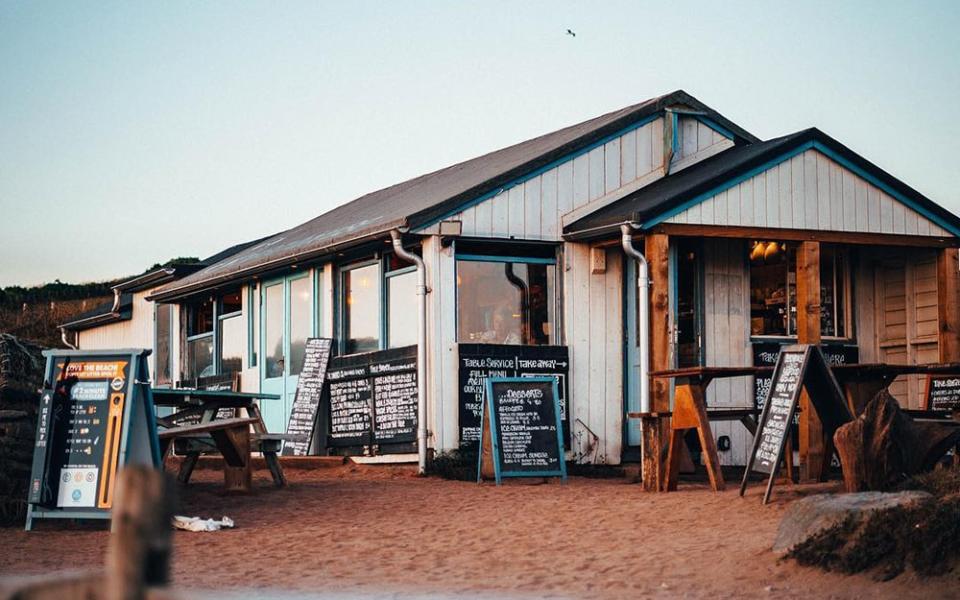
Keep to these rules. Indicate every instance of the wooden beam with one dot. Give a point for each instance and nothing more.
(948, 304)
(657, 252)
(802, 235)
(808, 332)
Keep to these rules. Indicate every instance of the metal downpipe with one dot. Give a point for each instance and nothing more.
(643, 302)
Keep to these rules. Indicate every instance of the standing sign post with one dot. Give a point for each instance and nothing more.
(96, 415)
(798, 366)
(521, 431)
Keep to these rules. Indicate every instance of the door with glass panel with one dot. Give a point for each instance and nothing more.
(286, 322)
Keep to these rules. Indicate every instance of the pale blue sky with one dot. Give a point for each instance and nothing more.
(133, 132)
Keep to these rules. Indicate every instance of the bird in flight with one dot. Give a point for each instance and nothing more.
(571, 33)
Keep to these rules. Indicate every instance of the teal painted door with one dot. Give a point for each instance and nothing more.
(286, 322)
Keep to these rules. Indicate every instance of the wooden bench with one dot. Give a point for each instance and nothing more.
(232, 440)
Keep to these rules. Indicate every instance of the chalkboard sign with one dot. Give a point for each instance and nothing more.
(96, 414)
(798, 367)
(373, 398)
(477, 362)
(943, 393)
(522, 422)
(765, 355)
(306, 402)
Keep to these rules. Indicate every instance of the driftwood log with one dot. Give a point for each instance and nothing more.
(883, 446)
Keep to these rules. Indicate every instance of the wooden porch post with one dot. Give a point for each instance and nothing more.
(808, 332)
(948, 304)
(657, 252)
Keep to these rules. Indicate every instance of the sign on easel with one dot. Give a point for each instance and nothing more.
(96, 415)
(798, 367)
(521, 430)
(306, 402)
(943, 393)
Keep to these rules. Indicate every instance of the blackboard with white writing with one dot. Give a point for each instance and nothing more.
(524, 420)
(306, 402)
(943, 393)
(373, 398)
(477, 362)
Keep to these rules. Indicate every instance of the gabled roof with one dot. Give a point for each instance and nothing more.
(656, 202)
(428, 198)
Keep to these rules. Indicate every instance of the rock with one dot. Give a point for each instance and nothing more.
(804, 518)
(884, 446)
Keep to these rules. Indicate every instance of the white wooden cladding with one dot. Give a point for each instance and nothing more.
(593, 322)
(137, 332)
(727, 337)
(809, 191)
(533, 209)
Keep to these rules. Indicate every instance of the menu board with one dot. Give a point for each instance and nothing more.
(943, 392)
(306, 402)
(373, 398)
(779, 408)
(96, 413)
(524, 422)
(477, 362)
(798, 367)
(765, 355)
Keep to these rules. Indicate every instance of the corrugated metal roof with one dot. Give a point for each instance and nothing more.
(426, 198)
(672, 191)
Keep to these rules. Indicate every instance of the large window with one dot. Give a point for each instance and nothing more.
(163, 317)
(505, 300)
(773, 290)
(232, 333)
(361, 308)
(199, 339)
(379, 304)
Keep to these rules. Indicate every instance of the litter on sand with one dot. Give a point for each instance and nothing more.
(198, 524)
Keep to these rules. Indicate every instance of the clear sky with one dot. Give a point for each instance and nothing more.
(133, 132)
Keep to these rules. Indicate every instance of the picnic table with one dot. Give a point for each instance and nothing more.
(210, 430)
(690, 412)
(862, 381)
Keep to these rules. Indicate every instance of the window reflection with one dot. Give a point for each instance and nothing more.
(273, 331)
(505, 302)
(299, 322)
(402, 300)
(361, 314)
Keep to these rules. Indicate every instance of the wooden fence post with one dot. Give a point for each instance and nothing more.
(140, 545)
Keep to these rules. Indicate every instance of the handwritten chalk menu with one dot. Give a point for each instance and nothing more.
(96, 414)
(523, 418)
(306, 402)
(798, 367)
(373, 398)
(765, 355)
(477, 362)
(943, 392)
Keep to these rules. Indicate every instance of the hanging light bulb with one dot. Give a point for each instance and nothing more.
(771, 251)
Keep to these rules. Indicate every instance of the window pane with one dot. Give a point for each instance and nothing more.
(770, 296)
(361, 288)
(200, 357)
(163, 314)
(402, 314)
(233, 336)
(299, 322)
(200, 318)
(505, 303)
(273, 331)
(230, 303)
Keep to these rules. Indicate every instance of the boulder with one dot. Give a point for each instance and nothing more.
(809, 516)
(884, 446)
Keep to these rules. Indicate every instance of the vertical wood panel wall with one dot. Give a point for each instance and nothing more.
(134, 333)
(809, 191)
(727, 337)
(593, 317)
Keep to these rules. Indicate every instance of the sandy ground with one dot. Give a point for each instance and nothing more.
(382, 532)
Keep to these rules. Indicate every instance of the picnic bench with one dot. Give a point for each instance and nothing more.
(232, 439)
(210, 434)
(690, 412)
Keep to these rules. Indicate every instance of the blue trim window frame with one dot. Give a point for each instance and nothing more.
(197, 341)
(385, 276)
(251, 338)
(224, 312)
(552, 300)
(163, 378)
(319, 325)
